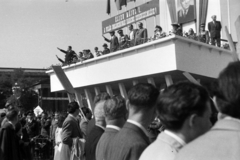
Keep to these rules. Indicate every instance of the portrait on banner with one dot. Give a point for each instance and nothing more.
(185, 11)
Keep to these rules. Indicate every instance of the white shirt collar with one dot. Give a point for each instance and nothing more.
(171, 134)
(232, 119)
(73, 117)
(113, 127)
(138, 125)
(100, 126)
(11, 124)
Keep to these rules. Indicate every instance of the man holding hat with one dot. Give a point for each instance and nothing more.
(106, 50)
(123, 40)
(113, 42)
(204, 35)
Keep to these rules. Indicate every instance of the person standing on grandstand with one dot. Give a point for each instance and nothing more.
(106, 50)
(69, 55)
(141, 34)
(123, 40)
(70, 130)
(215, 28)
(9, 146)
(132, 35)
(97, 52)
(113, 42)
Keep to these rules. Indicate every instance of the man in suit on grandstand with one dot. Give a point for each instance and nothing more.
(222, 141)
(214, 28)
(141, 34)
(132, 139)
(184, 110)
(113, 42)
(132, 35)
(115, 116)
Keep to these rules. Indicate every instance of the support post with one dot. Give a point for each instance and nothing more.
(109, 90)
(89, 99)
(168, 79)
(123, 90)
(97, 90)
(151, 81)
(79, 97)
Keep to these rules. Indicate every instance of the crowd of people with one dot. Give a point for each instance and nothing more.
(174, 123)
(140, 36)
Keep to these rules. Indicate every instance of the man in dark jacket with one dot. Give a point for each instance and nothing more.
(132, 139)
(9, 147)
(214, 28)
(31, 126)
(45, 125)
(113, 42)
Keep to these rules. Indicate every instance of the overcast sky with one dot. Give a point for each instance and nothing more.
(31, 30)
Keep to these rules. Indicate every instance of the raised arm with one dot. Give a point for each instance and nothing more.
(62, 50)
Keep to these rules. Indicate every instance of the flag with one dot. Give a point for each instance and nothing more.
(108, 7)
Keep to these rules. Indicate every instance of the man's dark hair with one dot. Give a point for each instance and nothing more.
(100, 97)
(11, 115)
(159, 27)
(228, 97)
(86, 110)
(143, 96)
(72, 107)
(115, 108)
(179, 101)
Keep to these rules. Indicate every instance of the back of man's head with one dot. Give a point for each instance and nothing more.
(142, 96)
(12, 115)
(228, 98)
(179, 101)
(115, 108)
(100, 97)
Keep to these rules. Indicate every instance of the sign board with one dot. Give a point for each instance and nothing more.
(134, 15)
(37, 111)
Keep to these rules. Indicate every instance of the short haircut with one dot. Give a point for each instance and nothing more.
(179, 101)
(99, 111)
(115, 108)
(100, 97)
(130, 25)
(86, 110)
(72, 107)
(61, 119)
(96, 48)
(159, 27)
(228, 96)
(143, 96)
(11, 115)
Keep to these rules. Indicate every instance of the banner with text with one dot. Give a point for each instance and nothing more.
(133, 15)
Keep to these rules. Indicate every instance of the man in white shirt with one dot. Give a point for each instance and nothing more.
(132, 139)
(115, 116)
(184, 110)
(132, 34)
(222, 141)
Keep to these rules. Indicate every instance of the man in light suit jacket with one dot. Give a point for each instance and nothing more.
(141, 35)
(97, 131)
(70, 130)
(184, 110)
(132, 35)
(115, 116)
(113, 42)
(214, 28)
(222, 141)
(132, 139)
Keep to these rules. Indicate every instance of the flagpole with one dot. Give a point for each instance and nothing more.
(126, 20)
(145, 18)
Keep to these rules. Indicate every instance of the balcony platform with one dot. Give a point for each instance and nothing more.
(171, 55)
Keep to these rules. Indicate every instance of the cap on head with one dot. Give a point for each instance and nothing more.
(120, 31)
(105, 45)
